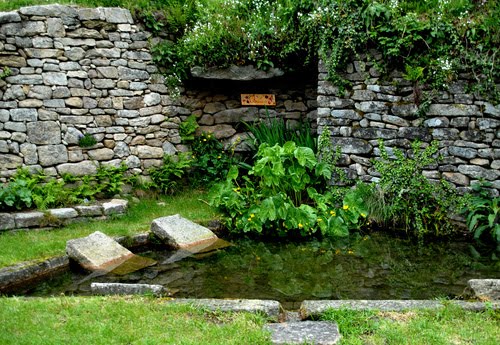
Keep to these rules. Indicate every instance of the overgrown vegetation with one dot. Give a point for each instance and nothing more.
(27, 190)
(438, 38)
(406, 199)
(285, 193)
(483, 214)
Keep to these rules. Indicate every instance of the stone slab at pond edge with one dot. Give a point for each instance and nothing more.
(304, 332)
(272, 309)
(127, 289)
(485, 289)
(97, 252)
(181, 233)
(310, 308)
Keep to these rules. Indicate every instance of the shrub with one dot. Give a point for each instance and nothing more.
(483, 214)
(26, 189)
(87, 140)
(285, 193)
(406, 198)
(167, 177)
(211, 161)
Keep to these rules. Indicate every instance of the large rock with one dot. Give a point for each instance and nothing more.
(44, 132)
(304, 332)
(97, 252)
(235, 73)
(485, 289)
(179, 232)
(126, 289)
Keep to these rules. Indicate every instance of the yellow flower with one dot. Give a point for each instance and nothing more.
(346, 207)
(332, 213)
(252, 215)
(350, 252)
(363, 215)
(204, 139)
(300, 226)
(218, 157)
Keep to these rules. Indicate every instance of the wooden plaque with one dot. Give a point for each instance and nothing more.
(258, 99)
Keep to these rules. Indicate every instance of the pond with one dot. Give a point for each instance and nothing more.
(369, 267)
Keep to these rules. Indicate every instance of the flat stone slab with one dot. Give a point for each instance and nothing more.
(485, 289)
(127, 289)
(304, 332)
(97, 252)
(181, 233)
(114, 206)
(316, 308)
(270, 308)
(234, 72)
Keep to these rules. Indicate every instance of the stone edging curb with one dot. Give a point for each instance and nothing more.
(55, 217)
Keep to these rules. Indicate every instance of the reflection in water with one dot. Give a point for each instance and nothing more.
(374, 267)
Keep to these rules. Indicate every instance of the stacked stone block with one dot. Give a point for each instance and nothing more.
(76, 71)
(465, 125)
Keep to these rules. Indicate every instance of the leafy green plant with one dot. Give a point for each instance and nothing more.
(284, 193)
(331, 155)
(211, 161)
(483, 214)
(87, 140)
(109, 179)
(26, 189)
(167, 177)
(187, 129)
(407, 198)
(6, 71)
(15, 194)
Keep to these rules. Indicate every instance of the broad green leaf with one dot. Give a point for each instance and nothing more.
(305, 156)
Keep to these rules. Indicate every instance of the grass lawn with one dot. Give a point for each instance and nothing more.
(450, 325)
(146, 320)
(113, 320)
(39, 245)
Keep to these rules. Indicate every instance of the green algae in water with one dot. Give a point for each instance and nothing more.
(375, 267)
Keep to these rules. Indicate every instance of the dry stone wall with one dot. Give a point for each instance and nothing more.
(466, 125)
(76, 71)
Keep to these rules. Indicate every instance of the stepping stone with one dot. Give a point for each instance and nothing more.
(97, 252)
(127, 289)
(304, 332)
(485, 289)
(181, 233)
(272, 309)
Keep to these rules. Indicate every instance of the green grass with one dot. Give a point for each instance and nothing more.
(113, 320)
(450, 325)
(39, 245)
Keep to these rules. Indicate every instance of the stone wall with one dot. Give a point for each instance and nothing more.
(76, 71)
(466, 126)
(79, 70)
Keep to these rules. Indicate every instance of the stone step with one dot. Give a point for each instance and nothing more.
(127, 289)
(97, 252)
(181, 233)
(304, 332)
